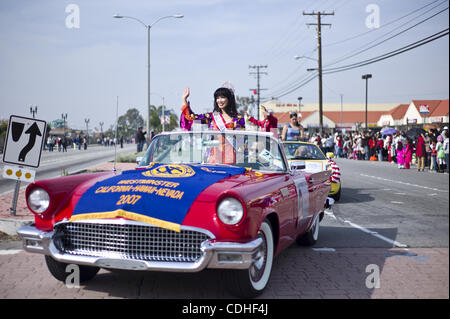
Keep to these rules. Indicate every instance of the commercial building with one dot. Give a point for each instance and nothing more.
(352, 116)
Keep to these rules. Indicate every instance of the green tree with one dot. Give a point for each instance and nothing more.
(3, 127)
(155, 120)
(128, 123)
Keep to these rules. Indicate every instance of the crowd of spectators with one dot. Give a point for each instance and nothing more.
(426, 149)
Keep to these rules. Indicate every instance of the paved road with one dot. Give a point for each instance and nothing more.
(73, 160)
(406, 206)
(389, 221)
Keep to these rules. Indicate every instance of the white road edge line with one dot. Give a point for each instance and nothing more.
(375, 234)
(404, 183)
(370, 232)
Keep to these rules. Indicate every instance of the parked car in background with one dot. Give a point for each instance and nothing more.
(311, 159)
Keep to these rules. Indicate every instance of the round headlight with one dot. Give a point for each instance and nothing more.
(38, 200)
(230, 211)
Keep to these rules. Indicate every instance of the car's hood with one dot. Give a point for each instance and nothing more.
(160, 194)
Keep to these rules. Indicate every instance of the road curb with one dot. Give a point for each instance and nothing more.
(10, 226)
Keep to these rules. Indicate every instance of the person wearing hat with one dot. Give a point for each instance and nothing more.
(270, 122)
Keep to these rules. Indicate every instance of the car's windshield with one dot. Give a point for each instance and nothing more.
(303, 151)
(243, 149)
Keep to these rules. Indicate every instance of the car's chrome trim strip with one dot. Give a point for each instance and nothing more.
(37, 241)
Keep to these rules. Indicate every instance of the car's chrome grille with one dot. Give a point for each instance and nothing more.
(129, 241)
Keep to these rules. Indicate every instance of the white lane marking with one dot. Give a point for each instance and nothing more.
(10, 251)
(375, 234)
(368, 231)
(324, 249)
(394, 202)
(404, 183)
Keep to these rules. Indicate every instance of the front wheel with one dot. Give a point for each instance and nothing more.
(61, 270)
(251, 282)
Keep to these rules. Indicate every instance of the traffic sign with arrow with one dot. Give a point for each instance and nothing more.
(24, 141)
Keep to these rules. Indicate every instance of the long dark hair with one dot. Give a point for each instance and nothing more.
(230, 109)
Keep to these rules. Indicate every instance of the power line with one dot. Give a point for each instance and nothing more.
(385, 40)
(382, 26)
(406, 48)
(298, 86)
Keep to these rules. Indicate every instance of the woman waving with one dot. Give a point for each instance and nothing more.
(223, 117)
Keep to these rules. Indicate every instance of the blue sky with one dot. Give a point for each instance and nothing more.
(80, 71)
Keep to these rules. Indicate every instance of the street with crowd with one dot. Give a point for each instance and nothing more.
(426, 149)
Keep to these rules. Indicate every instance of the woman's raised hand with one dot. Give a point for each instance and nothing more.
(185, 95)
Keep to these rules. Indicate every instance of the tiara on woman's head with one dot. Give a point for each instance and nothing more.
(228, 86)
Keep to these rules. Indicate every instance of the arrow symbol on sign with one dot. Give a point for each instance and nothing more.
(33, 131)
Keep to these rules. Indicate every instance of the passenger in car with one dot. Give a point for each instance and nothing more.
(223, 117)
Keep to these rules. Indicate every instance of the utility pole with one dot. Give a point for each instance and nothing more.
(319, 25)
(258, 87)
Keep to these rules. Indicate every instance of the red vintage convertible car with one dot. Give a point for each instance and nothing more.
(197, 200)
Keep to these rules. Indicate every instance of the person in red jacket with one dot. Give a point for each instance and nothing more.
(420, 153)
(269, 124)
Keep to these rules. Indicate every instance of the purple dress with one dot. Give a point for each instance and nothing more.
(401, 156)
(188, 118)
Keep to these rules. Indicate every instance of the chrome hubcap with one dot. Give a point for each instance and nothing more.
(259, 260)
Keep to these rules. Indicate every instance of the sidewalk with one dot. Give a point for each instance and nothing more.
(413, 165)
(9, 224)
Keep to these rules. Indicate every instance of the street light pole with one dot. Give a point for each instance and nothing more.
(33, 111)
(87, 129)
(299, 105)
(366, 77)
(342, 109)
(64, 118)
(148, 27)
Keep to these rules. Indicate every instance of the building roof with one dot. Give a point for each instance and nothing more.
(433, 104)
(354, 116)
(335, 116)
(441, 109)
(398, 112)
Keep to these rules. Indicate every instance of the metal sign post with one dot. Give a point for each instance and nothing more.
(12, 210)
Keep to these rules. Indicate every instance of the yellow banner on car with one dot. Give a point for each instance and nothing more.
(120, 213)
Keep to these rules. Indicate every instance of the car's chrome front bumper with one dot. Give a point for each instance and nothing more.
(219, 255)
